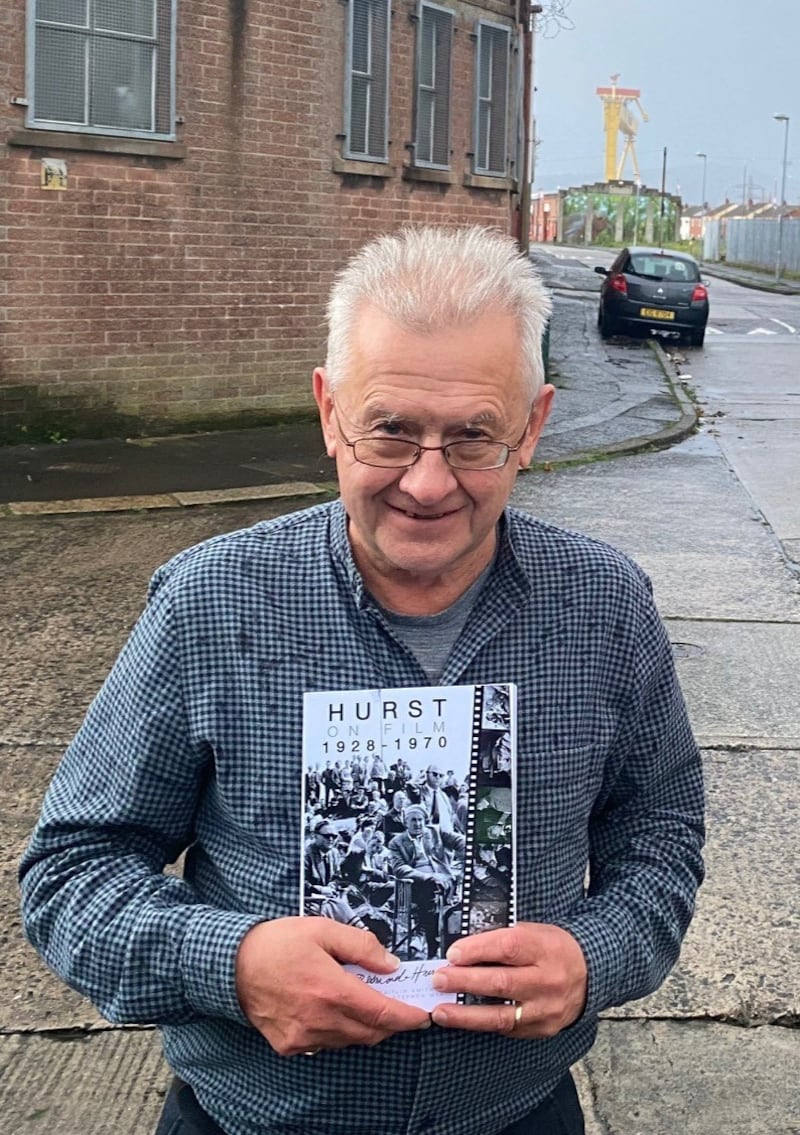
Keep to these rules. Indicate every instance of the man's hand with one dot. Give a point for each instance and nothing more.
(540, 967)
(292, 987)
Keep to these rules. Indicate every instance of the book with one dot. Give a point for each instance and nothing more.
(408, 820)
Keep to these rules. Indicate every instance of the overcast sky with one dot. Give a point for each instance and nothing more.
(712, 74)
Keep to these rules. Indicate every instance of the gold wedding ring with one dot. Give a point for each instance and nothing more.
(517, 1014)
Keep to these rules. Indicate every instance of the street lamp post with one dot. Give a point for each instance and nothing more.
(703, 199)
(705, 167)
(784, 118)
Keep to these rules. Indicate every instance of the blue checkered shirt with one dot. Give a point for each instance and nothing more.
(194, 742)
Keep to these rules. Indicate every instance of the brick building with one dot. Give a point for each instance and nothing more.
(181, 181)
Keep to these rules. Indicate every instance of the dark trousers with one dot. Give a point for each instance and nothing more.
(559, 1114)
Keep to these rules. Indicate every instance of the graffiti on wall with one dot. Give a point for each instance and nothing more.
(595, 217)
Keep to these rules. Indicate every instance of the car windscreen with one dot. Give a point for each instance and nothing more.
(662, 268)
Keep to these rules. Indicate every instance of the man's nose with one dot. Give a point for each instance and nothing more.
(430, 478)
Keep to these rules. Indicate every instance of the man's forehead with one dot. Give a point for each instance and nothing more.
(392, 411)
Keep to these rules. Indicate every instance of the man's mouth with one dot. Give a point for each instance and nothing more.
(422, 515)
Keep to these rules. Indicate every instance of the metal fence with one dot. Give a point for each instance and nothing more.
(753, 242)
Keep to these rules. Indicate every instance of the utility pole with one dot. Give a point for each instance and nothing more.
(705, 166)
(663, 193)
(784, 118)
(527, 18)
(703, 203)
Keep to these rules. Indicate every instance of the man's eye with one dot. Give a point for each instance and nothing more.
(388, 429)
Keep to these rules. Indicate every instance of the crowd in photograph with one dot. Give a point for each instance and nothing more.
(370, 826)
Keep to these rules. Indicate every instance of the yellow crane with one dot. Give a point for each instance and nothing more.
(618, 118)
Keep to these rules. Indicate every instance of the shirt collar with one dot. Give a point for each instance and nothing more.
(506, 570)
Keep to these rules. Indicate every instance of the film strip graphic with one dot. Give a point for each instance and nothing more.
(512, 898)
(472, 797)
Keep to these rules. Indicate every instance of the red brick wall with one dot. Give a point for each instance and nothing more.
(179, 290)
(545, 214)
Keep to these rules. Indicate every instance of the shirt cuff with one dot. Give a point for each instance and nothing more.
(208, 961)
(606, 965)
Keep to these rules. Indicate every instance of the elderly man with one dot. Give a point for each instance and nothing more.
(431, 400)
(424, 854)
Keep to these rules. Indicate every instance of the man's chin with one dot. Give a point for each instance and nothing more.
(419, 565)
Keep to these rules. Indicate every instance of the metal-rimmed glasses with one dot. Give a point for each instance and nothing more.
(401, 453)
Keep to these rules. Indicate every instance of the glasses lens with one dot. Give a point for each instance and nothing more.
(477, 454)
(385, 452)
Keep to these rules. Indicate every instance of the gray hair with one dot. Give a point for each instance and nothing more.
(430, 278)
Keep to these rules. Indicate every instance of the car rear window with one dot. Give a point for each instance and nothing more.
(663, 268)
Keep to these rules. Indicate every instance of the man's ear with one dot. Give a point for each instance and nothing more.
(322, 396)
(540, 412)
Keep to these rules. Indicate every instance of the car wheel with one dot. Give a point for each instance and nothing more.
(697, 338)
(605, 325)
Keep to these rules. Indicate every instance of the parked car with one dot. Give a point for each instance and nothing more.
(653, 290)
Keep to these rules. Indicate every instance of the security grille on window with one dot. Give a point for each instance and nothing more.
(367, 73)
(434, 53)
(102, 66)
(491, 109)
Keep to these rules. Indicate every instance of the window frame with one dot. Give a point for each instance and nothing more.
(424, 163)
(477, 167)
(36, 123)
(347, 151)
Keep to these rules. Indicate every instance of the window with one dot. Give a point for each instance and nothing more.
(102, 66)
(662, 268)
(491, 98)
(434, 53)
(367, 79)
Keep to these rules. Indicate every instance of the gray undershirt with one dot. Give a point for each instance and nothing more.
(431, 638)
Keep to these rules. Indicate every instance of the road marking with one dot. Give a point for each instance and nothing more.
(788, 326)
(714, 331)
(762, 331)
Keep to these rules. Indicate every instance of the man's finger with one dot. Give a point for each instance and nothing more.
(505, 983)
(497, 1019)
(501, 947)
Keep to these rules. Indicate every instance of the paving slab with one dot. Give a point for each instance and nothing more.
(686, 519)
(766, 458)
(98, 1083)
(747, 909)
(663, 1077)
(738, 680)
(31, 997)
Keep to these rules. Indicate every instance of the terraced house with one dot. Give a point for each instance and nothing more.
(181, 180)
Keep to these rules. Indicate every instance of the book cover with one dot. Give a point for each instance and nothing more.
(408, 820)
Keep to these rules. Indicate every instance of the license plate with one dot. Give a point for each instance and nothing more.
(655, 313)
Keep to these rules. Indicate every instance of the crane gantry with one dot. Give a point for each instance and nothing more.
(618, 118)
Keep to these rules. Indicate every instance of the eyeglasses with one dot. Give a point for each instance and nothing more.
(328, 835)
(398, 453)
